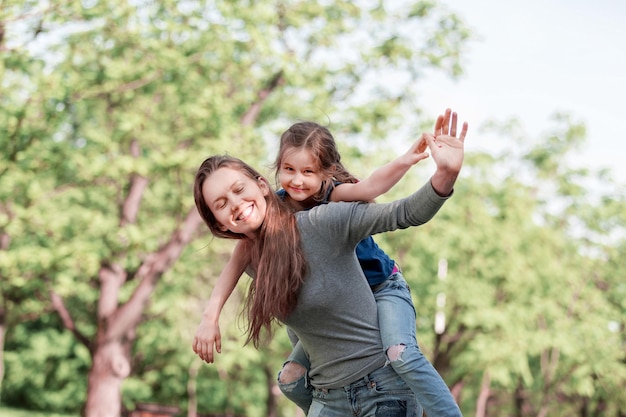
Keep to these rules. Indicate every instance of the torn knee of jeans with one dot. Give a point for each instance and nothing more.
(394, 353)
(291, 372)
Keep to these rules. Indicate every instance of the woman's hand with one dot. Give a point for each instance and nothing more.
(207, 336)
(447, 150)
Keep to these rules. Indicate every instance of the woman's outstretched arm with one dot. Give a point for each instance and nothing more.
(208, 334)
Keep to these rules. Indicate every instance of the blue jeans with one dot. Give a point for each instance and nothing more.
(300, 391)
(380, 394)
(396, 318)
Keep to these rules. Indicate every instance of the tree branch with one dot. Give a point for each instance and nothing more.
(132, 85)
(112, 277)
(483, 396)
(152, 268)
(253, 112)
(138, 184)
(66, 318)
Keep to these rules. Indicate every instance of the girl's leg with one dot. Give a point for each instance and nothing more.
(293, 379)
(396, 317)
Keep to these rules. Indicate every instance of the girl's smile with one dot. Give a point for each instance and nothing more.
(299, 174)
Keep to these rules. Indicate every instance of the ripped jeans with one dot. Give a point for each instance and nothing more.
(396, 317)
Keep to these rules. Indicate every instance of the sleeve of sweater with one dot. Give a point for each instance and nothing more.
(352, 222)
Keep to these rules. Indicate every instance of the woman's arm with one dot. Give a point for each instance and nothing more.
(208, 332)
(357, 221)
(384, 178)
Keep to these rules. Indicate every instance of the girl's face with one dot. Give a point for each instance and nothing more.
(299, 174)
(236, 200)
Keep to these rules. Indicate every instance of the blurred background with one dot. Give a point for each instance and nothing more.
(535, 59)
(107, 108)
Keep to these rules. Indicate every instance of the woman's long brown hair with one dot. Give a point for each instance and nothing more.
(276, 254)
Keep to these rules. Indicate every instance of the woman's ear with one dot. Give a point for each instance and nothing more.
(263, 185)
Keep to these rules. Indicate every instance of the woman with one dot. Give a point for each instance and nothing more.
(308, 277)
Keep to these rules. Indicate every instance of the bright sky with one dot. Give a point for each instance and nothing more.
(537, 57)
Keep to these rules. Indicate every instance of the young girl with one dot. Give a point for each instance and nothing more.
(310, 172)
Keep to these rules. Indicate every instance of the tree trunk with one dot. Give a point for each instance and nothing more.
(2, 330)
(456, 391)
(481, 404)
(192, 393)
(117, 323)
(521, 406)
(272, 393)
(111, 364)
(4, 245)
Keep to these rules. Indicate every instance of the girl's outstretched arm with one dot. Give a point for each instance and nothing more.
(208, 333)
(384, 178)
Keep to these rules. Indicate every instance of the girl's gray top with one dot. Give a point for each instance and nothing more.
(336, 316)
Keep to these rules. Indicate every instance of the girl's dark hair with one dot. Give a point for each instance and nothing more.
(320, 142)
(276, 254)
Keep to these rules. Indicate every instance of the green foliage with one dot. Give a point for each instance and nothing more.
(529, 270)
(99, 94)
(39, 354)
(15, 412)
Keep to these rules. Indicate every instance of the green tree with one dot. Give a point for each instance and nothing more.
(111, 105)
(28, 112)
(533, 325)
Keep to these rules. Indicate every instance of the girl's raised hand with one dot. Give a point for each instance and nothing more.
(416, 152)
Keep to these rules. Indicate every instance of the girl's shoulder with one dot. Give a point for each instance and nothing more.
(281, 193)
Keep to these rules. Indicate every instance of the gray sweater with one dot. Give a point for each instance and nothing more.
(336, 317)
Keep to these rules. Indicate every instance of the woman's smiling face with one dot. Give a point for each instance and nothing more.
(236, 200)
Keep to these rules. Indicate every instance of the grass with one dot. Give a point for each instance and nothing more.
(16, 412)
